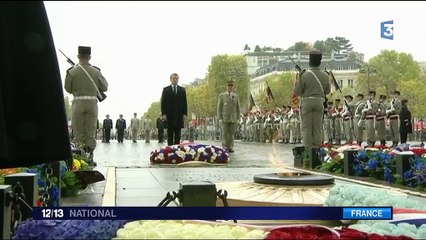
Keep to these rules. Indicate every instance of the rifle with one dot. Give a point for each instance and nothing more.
(330, 73)
(68, 59)
(301, 71)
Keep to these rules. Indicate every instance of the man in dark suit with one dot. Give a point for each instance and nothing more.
(160, 128)
(107, 126)
(174, 109)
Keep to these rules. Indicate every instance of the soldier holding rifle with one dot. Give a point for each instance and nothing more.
(312, 86)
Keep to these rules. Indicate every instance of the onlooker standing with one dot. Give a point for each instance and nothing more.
(120, 125)
(134, 126)
(147, 126)
(174, 108)
(405, 125)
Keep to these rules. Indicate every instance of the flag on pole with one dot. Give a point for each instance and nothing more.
(252, 103)
(269, 95)
(294, 99)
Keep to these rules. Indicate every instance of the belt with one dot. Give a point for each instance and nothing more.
(85, 97)
(370, 117)
(394, 117)
(303, 98)
(346, 119)
(380, 119)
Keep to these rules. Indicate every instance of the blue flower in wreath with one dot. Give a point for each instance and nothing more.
(41, 183)
(388, 175)
(362, 155)
(359, 170)
(372, 164)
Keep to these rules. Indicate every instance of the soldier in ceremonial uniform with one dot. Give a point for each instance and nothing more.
(338, 122)
(134, 127)
(358, 119)
(348, 115)
(312, 86)
(107, 126)
(228, 111)
(85, 103)
(370, 110)
(120, 125)
(328, 122)
(393, 115)
(380, 120)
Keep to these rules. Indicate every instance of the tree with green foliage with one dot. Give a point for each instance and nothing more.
(387, 70)
(391, 71)
(153, 112)
(281, 86)
(222, 69)
(257, 49)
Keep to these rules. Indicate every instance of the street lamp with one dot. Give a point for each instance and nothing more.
(370, 69)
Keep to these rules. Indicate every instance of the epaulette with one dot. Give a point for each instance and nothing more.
(69, 69)
(96, 68)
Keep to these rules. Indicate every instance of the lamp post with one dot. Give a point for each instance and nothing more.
(370, 69)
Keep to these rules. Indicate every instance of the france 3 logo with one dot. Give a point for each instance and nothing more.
(386, 30)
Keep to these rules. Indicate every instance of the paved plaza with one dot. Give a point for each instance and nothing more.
(132, 181)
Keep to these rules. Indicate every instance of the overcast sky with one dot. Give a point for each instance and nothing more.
(137, 45)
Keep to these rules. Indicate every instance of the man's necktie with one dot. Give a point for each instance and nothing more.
(174, 89)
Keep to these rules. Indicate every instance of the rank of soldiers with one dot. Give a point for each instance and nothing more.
(362, 119)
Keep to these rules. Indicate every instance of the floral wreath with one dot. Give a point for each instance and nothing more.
(176, 154)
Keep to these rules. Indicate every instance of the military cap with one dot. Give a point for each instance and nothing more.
(360, 95)
(121, 115)
(404, 101)
(330, 103)
(382, 97)
(230, 82)
(397, 92)
(372, 92)
(107, 115)
(315, 52)
(349, 96)
(337, 100)
(82, 50)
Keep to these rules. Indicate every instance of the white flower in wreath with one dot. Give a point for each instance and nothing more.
(170, 154)
(214, 156)
(160, 156)
(187, 148)
(173, 160)
(192, 152)
(201, 150)
(181, 154)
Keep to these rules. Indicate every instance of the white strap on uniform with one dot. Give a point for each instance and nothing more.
(91, 79)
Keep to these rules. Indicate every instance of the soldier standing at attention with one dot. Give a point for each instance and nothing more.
(358, 121)
(312, 86)
(107, 126)
(393, 115)
(134, 126)
(147, 127)
(85, 103)
(370, 110)
(228, 111)
(380, 120)
(120, 125)
(160, 128)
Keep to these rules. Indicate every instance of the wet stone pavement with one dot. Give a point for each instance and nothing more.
(139, 183)
(132, 181)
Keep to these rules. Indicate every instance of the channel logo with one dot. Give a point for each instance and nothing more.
(386, 30)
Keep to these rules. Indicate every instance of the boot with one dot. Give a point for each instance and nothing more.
(394, 144)
(383, 143)
(359, 143)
